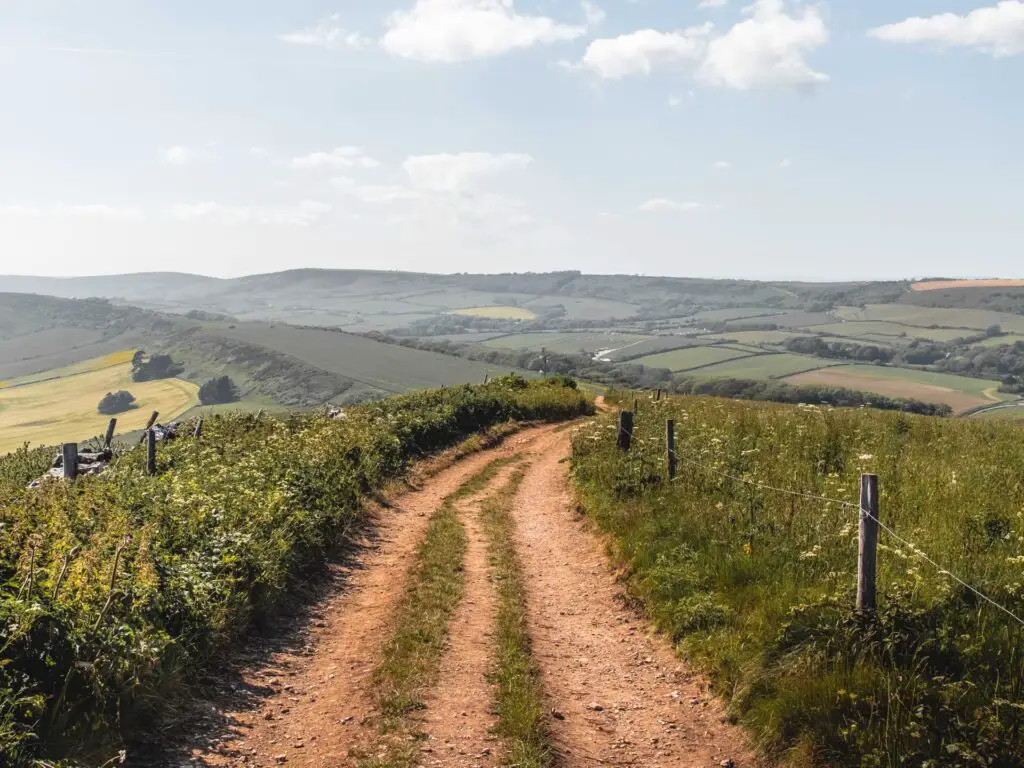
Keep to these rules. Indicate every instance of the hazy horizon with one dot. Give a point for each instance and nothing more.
(752, 139)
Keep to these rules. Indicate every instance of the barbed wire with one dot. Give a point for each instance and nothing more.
(914, 548)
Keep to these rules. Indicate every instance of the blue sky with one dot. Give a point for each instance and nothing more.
(772, 139)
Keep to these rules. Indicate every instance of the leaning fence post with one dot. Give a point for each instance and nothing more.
(151, 451)
(69, 458)
(199, 428)
(867, 552)
(110, 433)
(625, 429)
(149, 425)
(670, 448)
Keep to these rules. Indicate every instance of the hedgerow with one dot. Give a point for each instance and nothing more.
(116, 589)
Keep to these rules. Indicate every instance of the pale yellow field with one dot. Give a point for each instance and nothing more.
(936, 285)
(63, 409)
(497, 313)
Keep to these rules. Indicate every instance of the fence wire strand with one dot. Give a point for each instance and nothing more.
(815, 497)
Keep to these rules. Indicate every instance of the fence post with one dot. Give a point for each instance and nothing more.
(151, 451)
(670, 448)
(657, 397)
(867, 552)
(199, 428)
(625, 429)
(69, 457)
(110, 433)
(149, 426)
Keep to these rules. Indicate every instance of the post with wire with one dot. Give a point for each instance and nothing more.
(867, 551)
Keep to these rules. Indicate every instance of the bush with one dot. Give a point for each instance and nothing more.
(116, 402)
(157, 367)
(219, 390)
(163, 572)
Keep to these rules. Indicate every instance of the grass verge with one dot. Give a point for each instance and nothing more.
(411, 656)
(520, 695)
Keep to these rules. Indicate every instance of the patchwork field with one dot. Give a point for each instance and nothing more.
(855, 329)
(911, 315)
(961, 393)
(754, 337)
(566, 343)
(766, 366)
(691, 357)
(937, 285)
(56, 410)
(998, 341)
(497, 313)
(1007, 413)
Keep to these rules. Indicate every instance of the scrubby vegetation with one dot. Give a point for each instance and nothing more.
(116, 402)
(116, 589)
(218, 391)
(156, 367)
(758, 586)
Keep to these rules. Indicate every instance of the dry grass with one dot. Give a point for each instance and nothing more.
(938, 285)
(497, 313)
(55, 410)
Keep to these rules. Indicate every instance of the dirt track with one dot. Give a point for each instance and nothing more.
(616, 693)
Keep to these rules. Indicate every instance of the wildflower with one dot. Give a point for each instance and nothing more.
(865, 457)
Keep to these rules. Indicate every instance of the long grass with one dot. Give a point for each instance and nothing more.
(520, 693)
(757, 587)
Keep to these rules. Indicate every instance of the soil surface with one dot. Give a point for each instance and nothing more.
(617, 694)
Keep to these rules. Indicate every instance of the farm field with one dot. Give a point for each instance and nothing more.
(735, 313)
(64, 409)
(749, 560)
(497, 313)
(998, 341)
(792, 319)
(1012, 413)
(937, 285)
(908, 314)
(754, 337)
(765, 366)
(566, 343)
(691, 357)
(583, 308)
(961, 393)
(372, 364)
(854, 329)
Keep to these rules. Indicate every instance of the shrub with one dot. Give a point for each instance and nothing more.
(116, 402)
(157, 367)
(219, 390)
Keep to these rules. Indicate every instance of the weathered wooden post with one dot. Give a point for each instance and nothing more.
(110, 433)
(487, 378)
(625, 429)
(199, 428)
(670, 448)
(69, 458)
(151, 451)
(657, 396)
(867, 552)
(149, 426)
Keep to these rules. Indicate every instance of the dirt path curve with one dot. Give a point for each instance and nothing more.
(619, 695)
(312, 701)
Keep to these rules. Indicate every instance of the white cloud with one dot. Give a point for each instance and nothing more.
(20, 211)
(377, 194)
(640, 52)
(303, 214)
(712, 3)
(786, 164)
(99, 211)
(457, 172)
(339, 157)
(663, 204)
(259, 151)
(327, 34)
(460, 30)
(767, 49)
(176, 155)
(997, 29)
(722, 165)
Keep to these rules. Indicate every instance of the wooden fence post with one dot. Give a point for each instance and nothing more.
(625, 429)
(69, 458)
(670, 448)
(149, 426)
(867, 552)
(657, 397)
(151, 451)
(199, 428)
(110, 433)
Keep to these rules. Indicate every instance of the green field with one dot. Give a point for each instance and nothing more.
(998, 341)
(981, 387)
(566, 343)
(976, 319)
(755, 337)
(766, 366)
(691, 357)
(1015, 413)
(855, 329)
(497, 313)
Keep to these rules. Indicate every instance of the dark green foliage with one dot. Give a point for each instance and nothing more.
(866, 353)
(219, 390)
(116, 402)
(157, 367)
(114, 590)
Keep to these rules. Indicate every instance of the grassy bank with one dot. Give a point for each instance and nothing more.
(519, 696)
(758, 586)
(118, 588)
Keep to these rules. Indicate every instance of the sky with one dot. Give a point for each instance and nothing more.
(761, 139)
